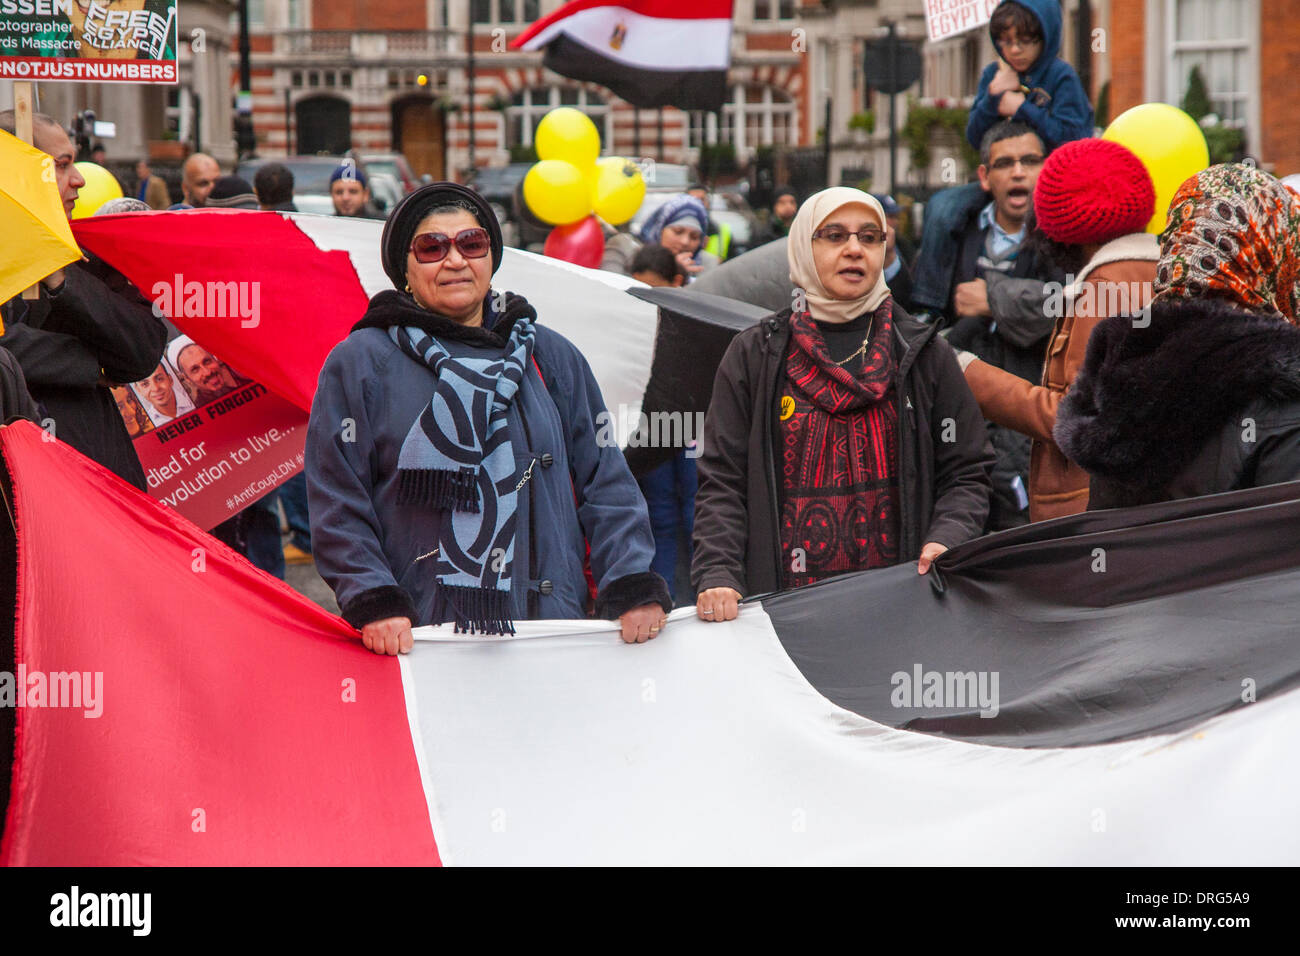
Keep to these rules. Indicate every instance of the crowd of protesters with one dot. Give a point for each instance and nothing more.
(1041, 354)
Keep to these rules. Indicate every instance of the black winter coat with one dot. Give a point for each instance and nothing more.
(943, 486)
(1002, 349)
(97, 326)
(15, 401)
(1204, 399)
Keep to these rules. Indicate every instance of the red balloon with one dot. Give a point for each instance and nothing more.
(581, 242)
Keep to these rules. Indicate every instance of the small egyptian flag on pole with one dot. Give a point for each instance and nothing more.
(650, 52)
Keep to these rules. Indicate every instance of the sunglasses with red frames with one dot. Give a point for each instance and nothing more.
(434, 246)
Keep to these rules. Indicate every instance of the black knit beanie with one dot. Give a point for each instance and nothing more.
(407, 215)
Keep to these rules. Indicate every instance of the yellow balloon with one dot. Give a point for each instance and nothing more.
(101, 186)
(1170, 145)
(557, 192)
(567, 134)
(617, 189)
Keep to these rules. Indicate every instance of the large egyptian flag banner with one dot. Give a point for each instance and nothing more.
(1117, 688)
(259, 299)
(650, 52)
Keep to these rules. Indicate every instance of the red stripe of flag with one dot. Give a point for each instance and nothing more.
(227, 734)
(666, 9)
(309, 297)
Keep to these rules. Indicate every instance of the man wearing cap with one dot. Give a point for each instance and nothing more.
(231, 192)
(90, 329)
(351, 193)
(785, 204)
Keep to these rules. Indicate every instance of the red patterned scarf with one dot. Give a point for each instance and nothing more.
(839, 444)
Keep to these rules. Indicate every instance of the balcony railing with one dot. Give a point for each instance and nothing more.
(397, 44)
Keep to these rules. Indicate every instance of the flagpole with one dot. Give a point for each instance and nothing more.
(469, 46)
(23, 99)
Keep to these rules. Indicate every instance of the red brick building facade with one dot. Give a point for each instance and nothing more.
(1249, 51)
(380, 75)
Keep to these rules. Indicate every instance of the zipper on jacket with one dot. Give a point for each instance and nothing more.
(773, 437)
(532, 598)
(907, 448)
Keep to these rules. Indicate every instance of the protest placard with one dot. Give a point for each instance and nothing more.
(131, 41)
(948, 18)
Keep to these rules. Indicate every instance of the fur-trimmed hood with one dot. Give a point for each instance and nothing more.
(1147, 399)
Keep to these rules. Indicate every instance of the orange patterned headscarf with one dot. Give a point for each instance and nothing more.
(1233, 231)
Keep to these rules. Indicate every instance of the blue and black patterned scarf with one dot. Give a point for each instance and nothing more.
(457, 459)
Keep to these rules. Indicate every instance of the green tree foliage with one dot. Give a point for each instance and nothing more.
(1102, 117)
(1196, 103)
(922, 121)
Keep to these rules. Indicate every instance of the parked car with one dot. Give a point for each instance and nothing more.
(395, 165)
(668, 178)
(311, 178)
(499, 185)
(385, 191)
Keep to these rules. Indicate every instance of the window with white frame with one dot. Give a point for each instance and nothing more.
(528, 106)
(1215, 35)
(773, 10)
(505, 11)
(763, 114)
(256, 18)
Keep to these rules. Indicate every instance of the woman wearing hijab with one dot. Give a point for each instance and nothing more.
(883, 455)
(679, 225)
(453, 470)
(1202, 394)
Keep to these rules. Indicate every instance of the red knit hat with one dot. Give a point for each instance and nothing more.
(1091, 191)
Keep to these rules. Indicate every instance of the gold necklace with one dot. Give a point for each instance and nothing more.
(862, 349)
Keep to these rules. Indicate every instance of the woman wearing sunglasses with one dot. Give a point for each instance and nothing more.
(841, 435)
(452, 464)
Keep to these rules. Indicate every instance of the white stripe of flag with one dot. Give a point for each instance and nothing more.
(652, 43)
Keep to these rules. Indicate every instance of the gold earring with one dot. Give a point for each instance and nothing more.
(408, 287)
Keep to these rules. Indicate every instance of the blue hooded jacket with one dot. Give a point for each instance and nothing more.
(1056, 106)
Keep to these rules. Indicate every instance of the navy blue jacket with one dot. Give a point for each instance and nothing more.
(368, 547)
(1063, 112)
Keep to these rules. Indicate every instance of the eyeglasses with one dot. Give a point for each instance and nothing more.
(434, 246)
(1020, 43)
(1007, 162)
(838, 235)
